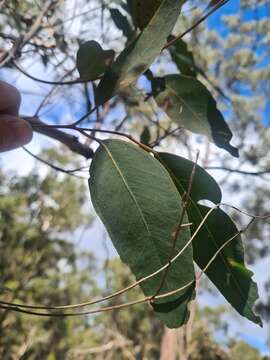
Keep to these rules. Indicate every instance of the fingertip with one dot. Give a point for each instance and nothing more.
(14, 132)
(25, 131)
(10, 99)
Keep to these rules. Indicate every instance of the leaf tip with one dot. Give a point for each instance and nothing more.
(232, 150)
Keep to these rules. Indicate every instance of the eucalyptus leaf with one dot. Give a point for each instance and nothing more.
(92, 60)
(183, 58)
(145, 137)
(143, 10)
(189, 103)
(228, 271)
(213, 3)
(121, 23)
(137, 57)
(139, 205)
(185, 62)
(204, 186)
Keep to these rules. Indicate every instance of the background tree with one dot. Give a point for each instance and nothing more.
(40, 264)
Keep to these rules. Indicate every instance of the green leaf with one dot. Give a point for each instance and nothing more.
(143, 10)
(204, 187)
(183, 58)
(121, 23)
(141, 53)
(140, 207)
(214, 3)
(227, 272)
(145, 136)
(92, 60)
(188, 102)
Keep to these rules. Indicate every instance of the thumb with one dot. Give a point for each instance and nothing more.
(14, 132)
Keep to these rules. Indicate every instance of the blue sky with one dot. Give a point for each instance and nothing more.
(246, 331)
(231, 8)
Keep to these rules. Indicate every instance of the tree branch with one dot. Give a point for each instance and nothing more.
(23, 40)
(69, 82)
(242, 172)
(54, 167)
(71, 141)
(197, 23)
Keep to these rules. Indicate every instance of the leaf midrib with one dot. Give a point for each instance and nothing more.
(136, 204)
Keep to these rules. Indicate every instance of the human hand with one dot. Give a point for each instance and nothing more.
(14, 131)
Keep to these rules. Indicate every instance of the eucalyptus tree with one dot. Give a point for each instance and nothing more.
(131, 84)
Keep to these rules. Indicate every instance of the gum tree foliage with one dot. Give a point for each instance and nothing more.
(39, 263)
(150, 200)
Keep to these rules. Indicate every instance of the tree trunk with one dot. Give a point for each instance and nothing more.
(176, 344)
(169, 344)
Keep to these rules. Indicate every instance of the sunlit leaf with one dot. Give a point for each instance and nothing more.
(184, 60)
(141, 53)
(188, 102)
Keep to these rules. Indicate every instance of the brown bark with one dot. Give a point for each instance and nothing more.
(71, 141)
(176, 344)
(169, 345)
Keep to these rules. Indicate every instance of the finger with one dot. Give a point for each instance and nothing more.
(14, 132)
(10, 99)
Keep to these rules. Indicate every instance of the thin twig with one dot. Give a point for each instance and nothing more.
(165, 135)
(124, 290)
(41, 127)
(242, 172)
(197, 23)
(23, 40)
(185, 200)
(131, 303)
(260, 217)
(84, 117)
(37, 23)
(71, 141)
(54, 167)
(70, 82)
(222, 247)
(19, 307)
